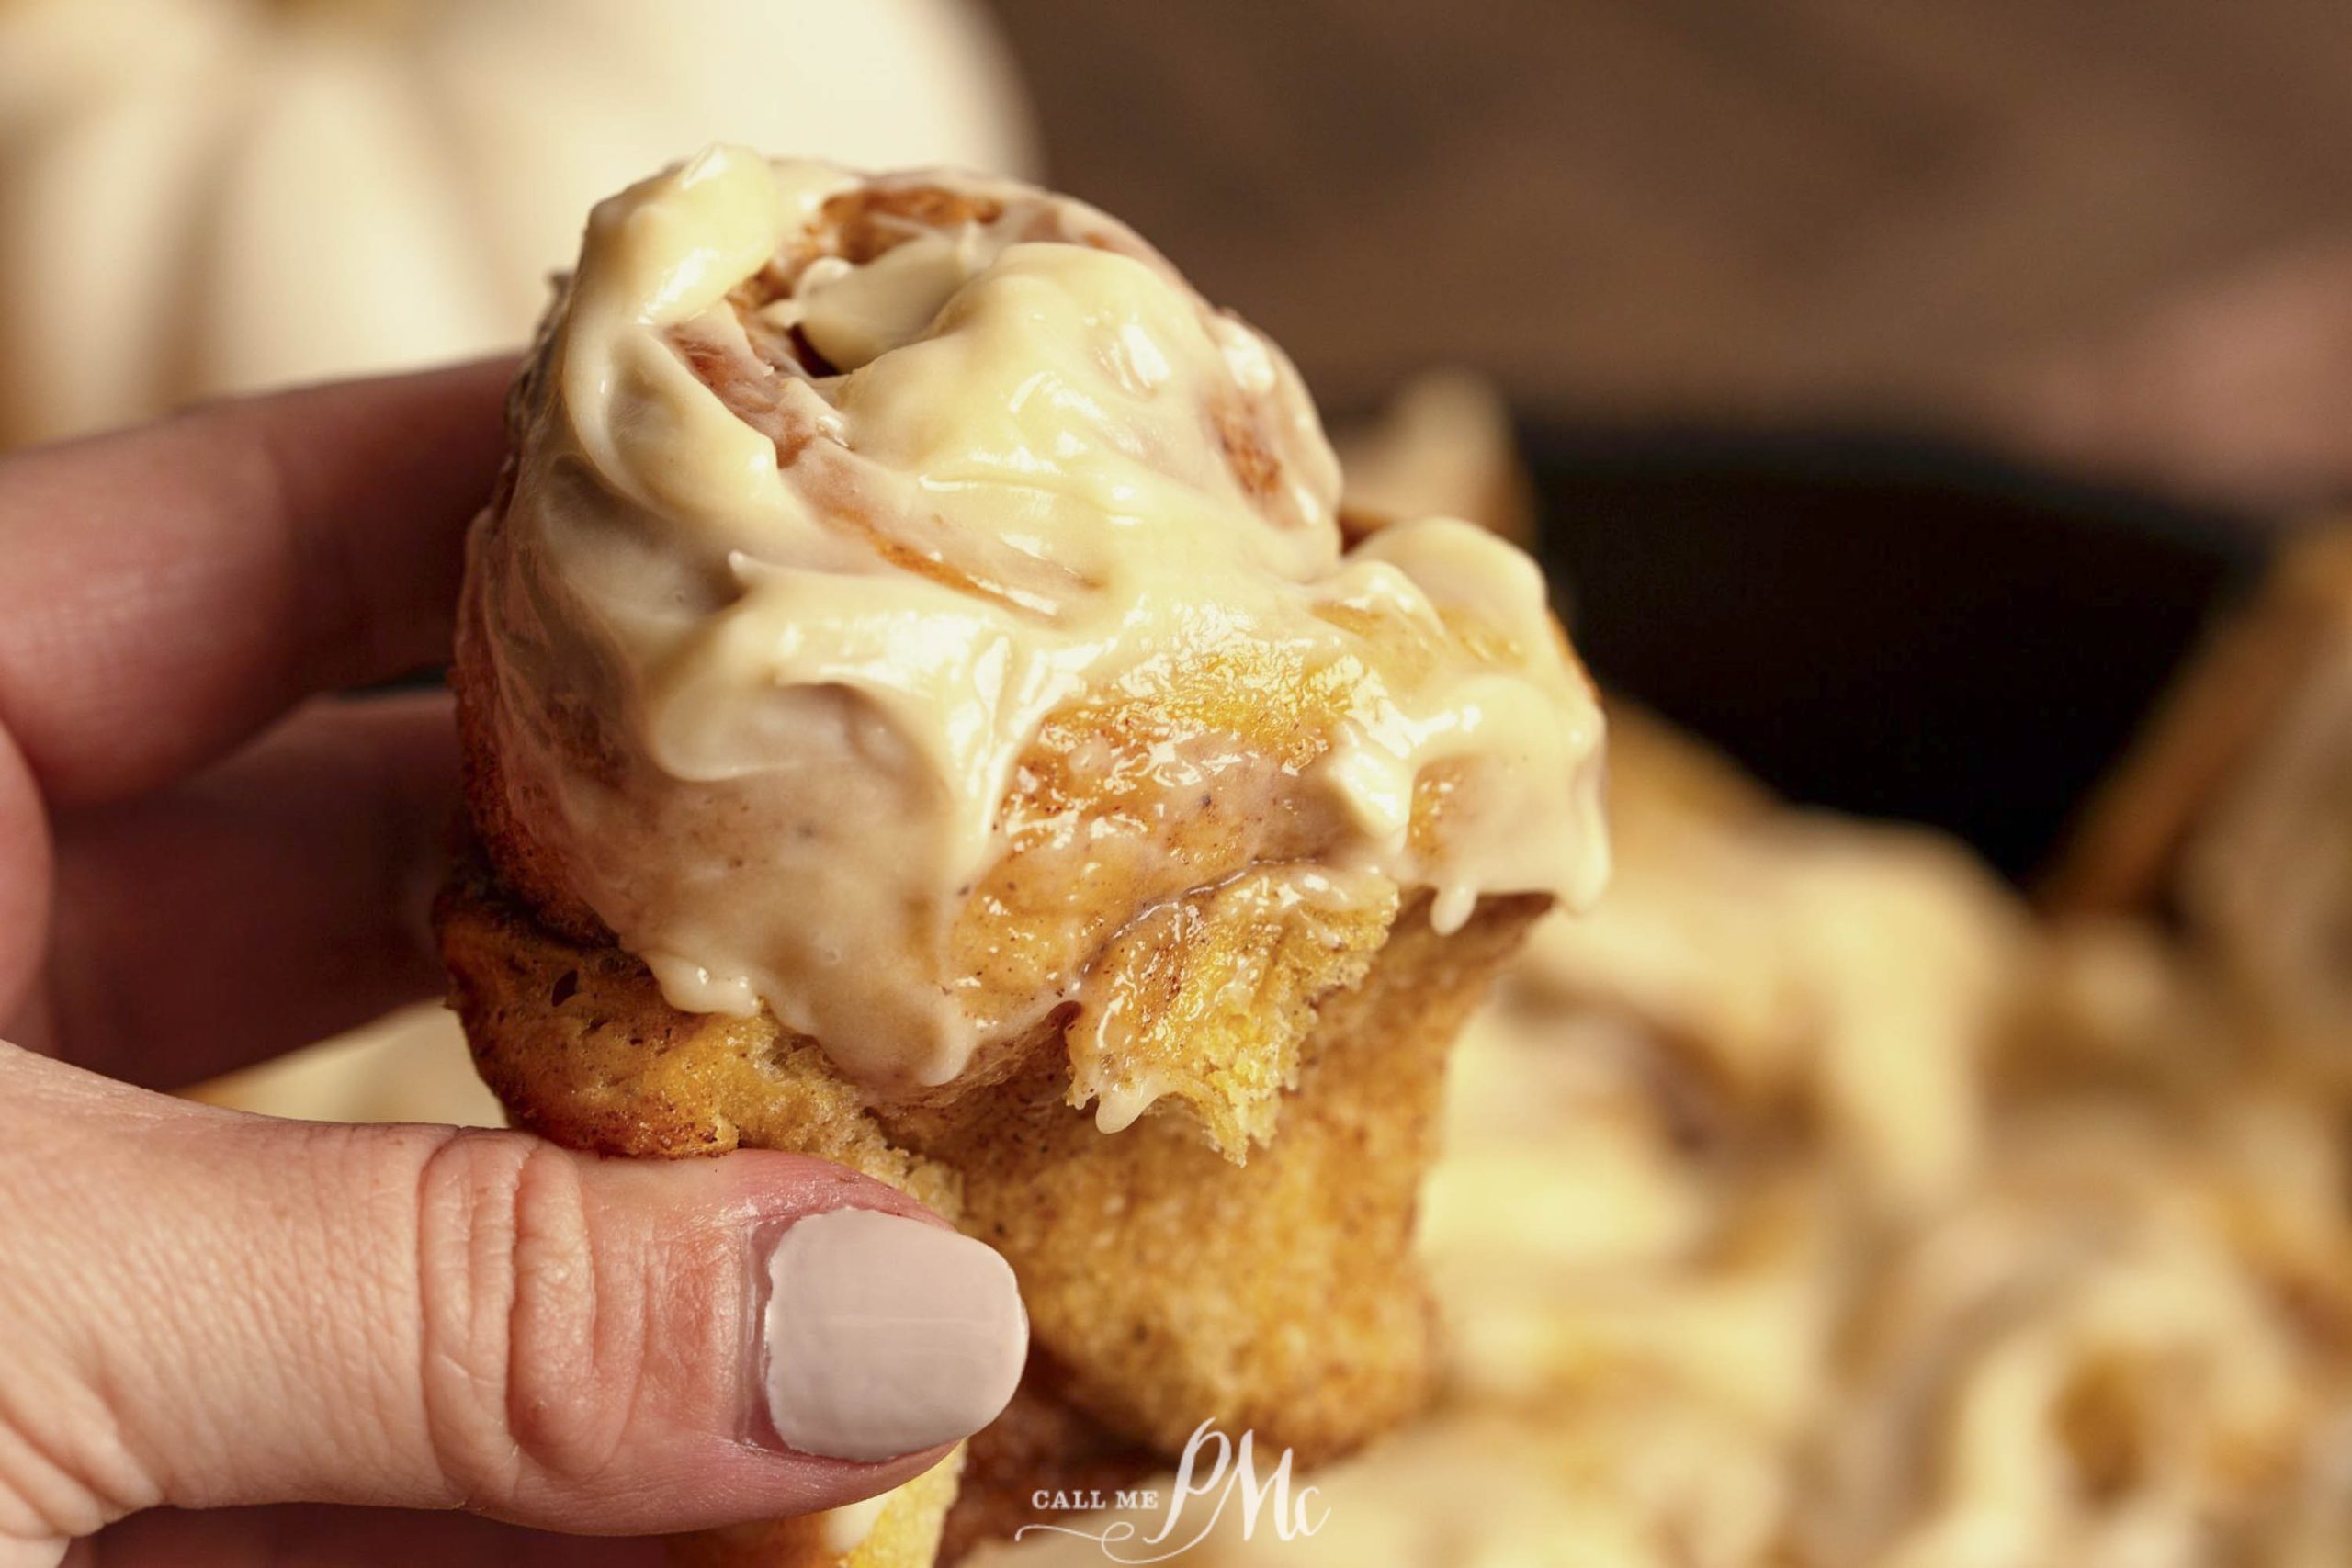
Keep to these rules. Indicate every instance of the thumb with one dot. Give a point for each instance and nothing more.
(198, 1308)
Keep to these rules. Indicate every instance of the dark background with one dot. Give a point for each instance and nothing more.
(1996, 218)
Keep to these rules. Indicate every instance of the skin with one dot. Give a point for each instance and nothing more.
(205, 858)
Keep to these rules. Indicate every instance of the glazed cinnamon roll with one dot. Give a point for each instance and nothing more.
(919, 711)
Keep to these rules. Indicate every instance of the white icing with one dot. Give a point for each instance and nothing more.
(830, 610)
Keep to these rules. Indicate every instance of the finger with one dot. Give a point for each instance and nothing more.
(167, 590)
(268, 902)
(25, 877)
(321, 1536)
(206, 1309)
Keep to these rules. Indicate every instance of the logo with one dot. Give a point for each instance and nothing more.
(1215, 1474)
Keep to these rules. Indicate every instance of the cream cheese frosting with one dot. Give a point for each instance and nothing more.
(836, 496)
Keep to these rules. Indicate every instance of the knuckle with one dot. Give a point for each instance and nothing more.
(529, 1350)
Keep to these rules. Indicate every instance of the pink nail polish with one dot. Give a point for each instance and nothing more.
(886, 1335)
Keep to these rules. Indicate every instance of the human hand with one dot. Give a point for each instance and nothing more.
(204, 861)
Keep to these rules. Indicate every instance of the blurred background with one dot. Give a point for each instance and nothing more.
(2113, 232)
(2109, 235)
(1935, 1150)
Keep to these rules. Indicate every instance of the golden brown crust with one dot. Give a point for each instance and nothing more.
(1211, 998)
(578, 1044)
(1279, 1296)
(1173, 1285)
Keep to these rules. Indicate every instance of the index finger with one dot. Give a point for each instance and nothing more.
(165, 592)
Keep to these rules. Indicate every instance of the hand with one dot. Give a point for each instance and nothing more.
(203, 861)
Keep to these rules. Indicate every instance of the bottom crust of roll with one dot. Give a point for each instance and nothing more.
(1168, 1284)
